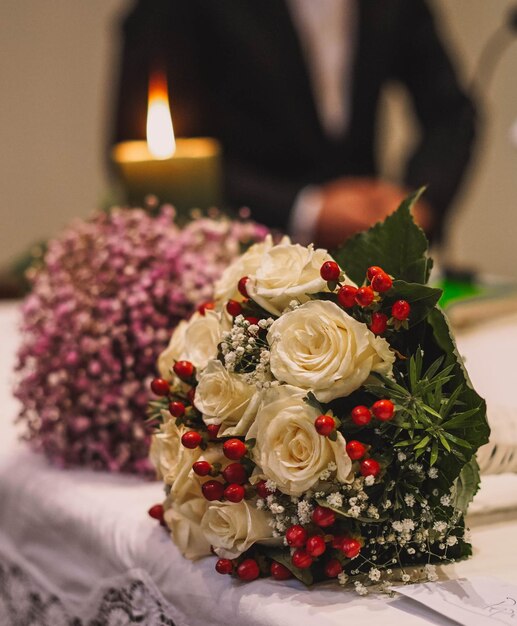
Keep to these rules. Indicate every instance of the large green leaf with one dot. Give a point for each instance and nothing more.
(397, 245)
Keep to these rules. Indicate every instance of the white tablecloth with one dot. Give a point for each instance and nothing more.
(79, 545)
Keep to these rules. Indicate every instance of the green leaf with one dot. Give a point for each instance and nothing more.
(397, 245)
(466, 485)
(432, 370)
(457, 440)
(322, 295)
(460, 420)
(422, 443)
(445, 443)
(431, 411)
(311, 400)
(434, 453)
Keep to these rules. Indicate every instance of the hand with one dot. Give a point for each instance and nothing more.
(351, 205)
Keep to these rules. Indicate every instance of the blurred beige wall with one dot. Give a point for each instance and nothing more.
(483, 229)
(55, 72)
(56, 68)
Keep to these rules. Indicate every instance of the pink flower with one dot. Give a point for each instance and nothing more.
(103, 306)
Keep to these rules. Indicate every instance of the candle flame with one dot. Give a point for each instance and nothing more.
(160, 133)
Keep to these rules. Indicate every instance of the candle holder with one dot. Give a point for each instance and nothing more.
(191, 178)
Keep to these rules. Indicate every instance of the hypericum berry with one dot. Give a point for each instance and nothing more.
(400, 310)
(202, 468)
(279, 571)
(212, 490)
(235, 473)
(176, 408)
(346, 296)
(252, 320)
(315, 546)
(234, 492)
(379, 323)
(156, 512)
(160, 387)
(381, 282)
(206, 306)
(337, 540)
(333, 568)
(248, 570)
(324, 425)
(241, 286)
(370, 467)
(296, 536)
(191, 394)
(383, 410)
(323, 517)
(191, 439)
(213, 430)
(184, 370)
(262, 491)
(224, 566)
(373, 271)
(364, 296)
(350, 547)
(301, 559)
(355, 450)
(361, 415)
(234, 308)
(330, 271)
(234, 449)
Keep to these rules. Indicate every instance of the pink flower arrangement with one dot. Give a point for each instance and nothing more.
(103, 304)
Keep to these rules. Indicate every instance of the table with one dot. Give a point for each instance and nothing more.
(78, 547)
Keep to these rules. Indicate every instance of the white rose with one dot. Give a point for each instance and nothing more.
(232, 528)
(288, 449)
(246, 264)
(288, 272)
(195, 340)
(173, 351)
(167, 454)
(184, 510)
(226, 399)
(185, 506)
(321, 348)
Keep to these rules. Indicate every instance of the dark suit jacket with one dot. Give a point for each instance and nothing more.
(236, 71)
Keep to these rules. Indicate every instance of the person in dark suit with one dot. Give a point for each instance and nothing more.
(291, 89)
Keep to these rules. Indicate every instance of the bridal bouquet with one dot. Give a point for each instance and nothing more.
(109, 292)
(319, 423)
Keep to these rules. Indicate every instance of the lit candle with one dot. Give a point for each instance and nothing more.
(185, 172)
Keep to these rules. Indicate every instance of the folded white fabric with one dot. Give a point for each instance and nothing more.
(499, 455)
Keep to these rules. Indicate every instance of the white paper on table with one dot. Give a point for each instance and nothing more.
(476, 601)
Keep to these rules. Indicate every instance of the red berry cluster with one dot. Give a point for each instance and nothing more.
(383, 410)
(367, 296)
(361, 415)
(181, 404)
(247, 570)
(309, 547)
(234, 474)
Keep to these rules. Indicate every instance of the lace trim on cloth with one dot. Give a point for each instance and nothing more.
(128, 599)
(499, 455)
